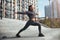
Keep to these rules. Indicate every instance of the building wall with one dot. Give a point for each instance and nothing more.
(48, 11)
(56, 4)
(0, 8)
(59, 7)
(53, 10)
(13, 6)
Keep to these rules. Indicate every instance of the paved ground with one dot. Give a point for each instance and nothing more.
(9, 27)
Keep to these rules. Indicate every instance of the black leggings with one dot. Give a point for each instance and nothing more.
(31, 23)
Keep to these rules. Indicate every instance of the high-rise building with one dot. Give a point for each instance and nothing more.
(1, 9)
(53, 10)
(58, 8)
(48, 11)
(10, 7)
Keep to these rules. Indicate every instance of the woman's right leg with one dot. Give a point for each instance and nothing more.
(25, 27)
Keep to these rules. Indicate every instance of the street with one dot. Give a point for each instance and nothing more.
(9, 28)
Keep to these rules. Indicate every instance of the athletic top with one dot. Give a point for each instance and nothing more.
(30, 14)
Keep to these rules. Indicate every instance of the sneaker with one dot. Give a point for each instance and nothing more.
(18, 35)
(41, 35)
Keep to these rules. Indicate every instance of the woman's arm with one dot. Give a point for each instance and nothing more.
(26, 12)
(21, 13)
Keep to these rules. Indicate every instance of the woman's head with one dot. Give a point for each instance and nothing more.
(31, 8)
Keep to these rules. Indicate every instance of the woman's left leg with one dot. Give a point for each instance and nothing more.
(39, 27)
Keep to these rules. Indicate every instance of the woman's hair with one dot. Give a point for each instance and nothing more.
(29, 8)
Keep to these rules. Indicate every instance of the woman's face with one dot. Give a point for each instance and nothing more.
(32, 8)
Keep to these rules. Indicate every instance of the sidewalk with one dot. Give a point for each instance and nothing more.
(9, 27)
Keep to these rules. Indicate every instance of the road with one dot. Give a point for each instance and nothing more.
(9, 28)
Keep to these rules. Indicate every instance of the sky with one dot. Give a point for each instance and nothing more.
(41, 5)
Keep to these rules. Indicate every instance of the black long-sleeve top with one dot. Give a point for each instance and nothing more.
(30, 14)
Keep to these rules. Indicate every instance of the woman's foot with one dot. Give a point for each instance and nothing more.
(40, 35)
(17, 35)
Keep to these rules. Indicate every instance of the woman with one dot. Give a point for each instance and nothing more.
(31, 14)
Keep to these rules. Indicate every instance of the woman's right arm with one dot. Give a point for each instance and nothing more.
(26, 12)
(20, 13)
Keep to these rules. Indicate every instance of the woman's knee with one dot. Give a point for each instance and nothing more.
(38, 24)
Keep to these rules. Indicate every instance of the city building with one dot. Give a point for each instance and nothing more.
(48, 11)
(58, 8)
(1, 9)
(53, 10)
(10, 7)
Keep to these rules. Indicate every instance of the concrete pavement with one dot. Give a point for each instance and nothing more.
(9, 27)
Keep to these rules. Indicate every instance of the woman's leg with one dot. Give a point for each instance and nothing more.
(39, 27)
(24, 28)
